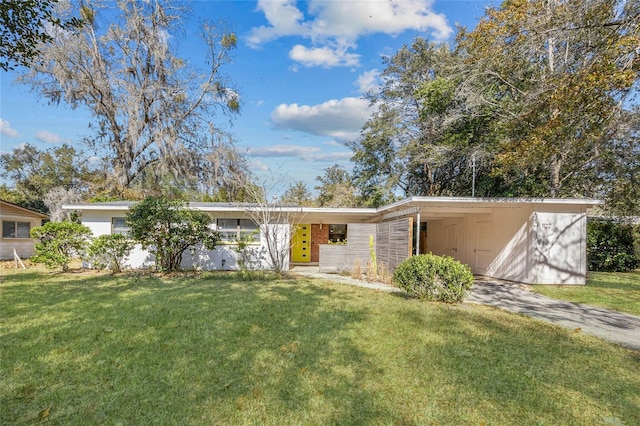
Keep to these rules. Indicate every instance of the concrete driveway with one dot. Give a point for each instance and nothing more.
(613, 326)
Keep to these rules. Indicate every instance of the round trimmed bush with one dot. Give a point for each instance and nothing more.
(431, 277)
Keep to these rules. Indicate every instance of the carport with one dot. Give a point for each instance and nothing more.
(529, 240)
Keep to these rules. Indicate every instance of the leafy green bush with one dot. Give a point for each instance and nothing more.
(610, 246)
(109, 251)
(431, 277)
(168, 228)
(59, 243)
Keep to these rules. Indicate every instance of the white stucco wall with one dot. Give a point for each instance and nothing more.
(226, 256)
(223, 257)
(558, 248)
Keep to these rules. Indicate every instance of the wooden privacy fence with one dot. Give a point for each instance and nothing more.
(337, 258)
(394, 241)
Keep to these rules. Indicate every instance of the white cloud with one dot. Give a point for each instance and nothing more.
(284, 19)
(339, 119)
(347, 20)
(260, 166)
(333, 156)
(304, 152)
(281, 151)
(368, 81)
(352, 19)
(326, 57)
(48, 137)
(7, 130)
(339, 24)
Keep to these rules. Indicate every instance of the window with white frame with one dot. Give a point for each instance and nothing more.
(232, 230)
(119, 226)
(15, 229)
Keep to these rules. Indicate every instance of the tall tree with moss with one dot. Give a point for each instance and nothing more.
(152, 113)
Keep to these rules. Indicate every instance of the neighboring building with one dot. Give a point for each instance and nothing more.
(17, 222)
(530, 240)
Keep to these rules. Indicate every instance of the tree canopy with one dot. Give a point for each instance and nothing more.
(336, 188)
(24, 26)
(537, 100)
(153, 114)
(36, 175)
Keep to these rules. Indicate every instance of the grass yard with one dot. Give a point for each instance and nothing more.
(619, 291)
(88, 348)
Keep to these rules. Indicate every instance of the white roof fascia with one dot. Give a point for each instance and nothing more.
(493, 202)
(92, 206)
(407, 202)
(225, 208)
(510, 200)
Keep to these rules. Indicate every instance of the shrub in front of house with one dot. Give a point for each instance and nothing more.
(434, 278)
(610, 246)
(109, 251)
(168, 228)
(59, 243)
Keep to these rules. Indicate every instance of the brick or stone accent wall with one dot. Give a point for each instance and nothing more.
(318, 236)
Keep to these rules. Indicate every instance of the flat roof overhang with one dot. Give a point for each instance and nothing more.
(325, 215)
(428, 207)
(451, 207)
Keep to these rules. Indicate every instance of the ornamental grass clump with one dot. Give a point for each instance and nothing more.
(434, 278)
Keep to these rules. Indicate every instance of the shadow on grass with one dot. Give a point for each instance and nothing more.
(534, 373)
(142, 349)
(614, 280)
(209, 349)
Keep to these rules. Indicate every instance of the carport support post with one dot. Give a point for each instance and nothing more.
(418, 233)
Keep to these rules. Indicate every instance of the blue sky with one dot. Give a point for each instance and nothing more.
(300, 68)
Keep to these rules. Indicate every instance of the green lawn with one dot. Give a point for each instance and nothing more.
(212, 349)
(612, 290)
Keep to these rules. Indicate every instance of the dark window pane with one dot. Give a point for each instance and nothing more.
(119, 226)
(337, 233)
(23, 229)
(227, 224)
(8, 229)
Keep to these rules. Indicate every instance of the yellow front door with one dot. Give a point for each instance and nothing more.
(301, 244)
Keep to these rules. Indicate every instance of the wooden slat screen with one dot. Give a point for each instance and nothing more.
(337, 258)
(394, 240)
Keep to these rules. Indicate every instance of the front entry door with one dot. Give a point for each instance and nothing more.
(301, 244)
(451, 240)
